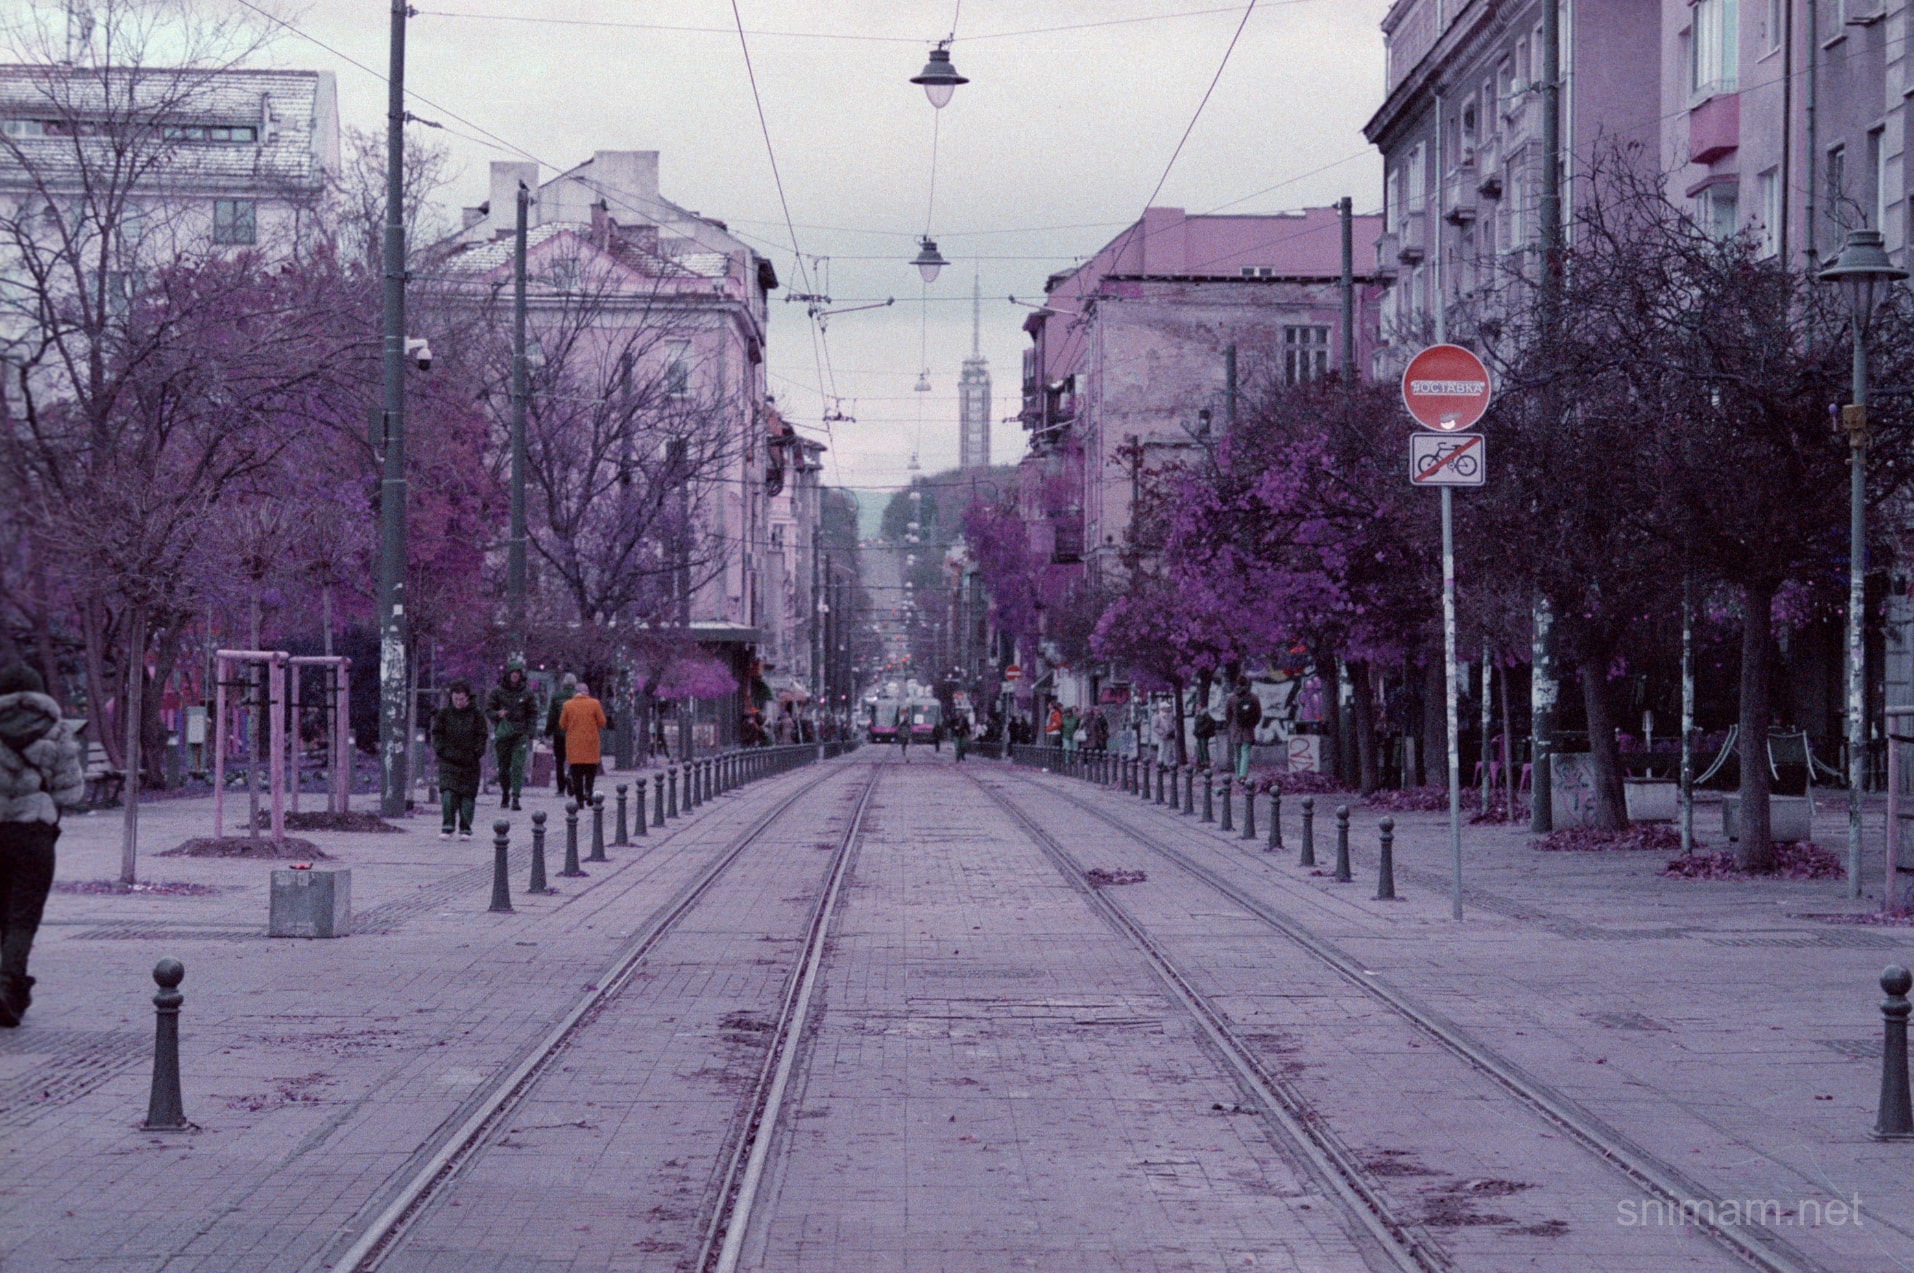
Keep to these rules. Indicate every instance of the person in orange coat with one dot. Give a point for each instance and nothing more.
(579, 721)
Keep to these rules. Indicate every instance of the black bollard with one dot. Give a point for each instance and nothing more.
(1249, 810)
(165, 1110)
(674, 790)
(1896, 1120)
(598, 829)
(1342, 844)
(1209, 795)
(1275, 818)
(571, 870)
(1308, 857)
(658, 810)
(538, 884)
(1386, 868)
(1227, 802)
(638, 810)
(501, 865)
(1161, 769)
(624, 834)
(1176, 785)
(1189, 793)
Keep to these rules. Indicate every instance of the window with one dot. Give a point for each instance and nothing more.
(235, 221)
(1719, 211)
(1877, 172)
(1714, 47)
(210, 132)
(1418, 178)
(1837, 184)
(1305, 353)
(677, 369)
(1776, 25)
(1768, 193)
(1259, 271)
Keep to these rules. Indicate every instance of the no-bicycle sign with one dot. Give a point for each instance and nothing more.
(1446, 388)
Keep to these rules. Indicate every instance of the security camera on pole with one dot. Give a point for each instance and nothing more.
(1446, 389)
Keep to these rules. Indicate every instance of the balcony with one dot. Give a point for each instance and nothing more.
(1459, 194)
(1488, 168)
(1387, 246)
(1414, 234)
(1714, 129)
(1067, 543)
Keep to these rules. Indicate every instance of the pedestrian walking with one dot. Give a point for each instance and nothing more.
(1067, 728)
(1205, 729)
(513, 713)
(458, 741)
(937, 738)
(903, 734)
(960, 736)
(580, 721)
(1053, 727)
(40, 775)
(567, 686)
(1245, 713)
(1164, 729)
(1099, 731)
(787, 727)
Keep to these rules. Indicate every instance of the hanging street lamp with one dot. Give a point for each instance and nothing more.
(939, 77)
(1864, 273)
(929, 260)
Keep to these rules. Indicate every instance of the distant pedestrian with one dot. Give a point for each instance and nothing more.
(1099, 732)
(1164, 730)
(458, 741)
(1204, 728)
(1067, 729)
(567, 686)
(580, 722)
(1245, 713)
(40, 774)
(1053, 727)
(937, 737)
(513, 713)
(787, 727)
(960, 735)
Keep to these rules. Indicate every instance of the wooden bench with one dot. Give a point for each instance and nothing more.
(104, 784)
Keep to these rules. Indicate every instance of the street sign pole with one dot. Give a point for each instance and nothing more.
(1448, 682)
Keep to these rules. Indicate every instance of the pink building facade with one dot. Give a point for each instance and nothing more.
(1148, 349)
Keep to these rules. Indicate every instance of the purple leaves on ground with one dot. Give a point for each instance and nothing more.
(1805, 861)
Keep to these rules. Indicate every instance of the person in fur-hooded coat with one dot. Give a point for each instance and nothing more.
(40, 775)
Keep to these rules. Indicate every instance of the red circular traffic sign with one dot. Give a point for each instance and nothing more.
(1446, 388)
(1013, 673)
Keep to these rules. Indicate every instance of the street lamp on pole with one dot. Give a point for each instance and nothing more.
(1864, 273)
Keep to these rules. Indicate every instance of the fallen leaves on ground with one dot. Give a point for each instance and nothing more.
(1654, 837)
(1804, 861)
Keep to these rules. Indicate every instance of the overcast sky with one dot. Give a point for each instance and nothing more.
(1053, 147)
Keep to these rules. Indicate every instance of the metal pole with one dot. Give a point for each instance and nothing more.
(395, 780)
(1346, 209)
(515, 558)
(1543, 689)
(1687, 717)
(1449, 695)
(1857, 602)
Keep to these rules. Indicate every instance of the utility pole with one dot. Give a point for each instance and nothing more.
(395, 779)
(1543, 688)
(515, 560)
(1346, 211)
(1229, 387)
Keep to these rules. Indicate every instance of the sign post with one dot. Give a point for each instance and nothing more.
(1446, 389)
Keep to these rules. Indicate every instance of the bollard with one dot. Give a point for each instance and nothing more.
(1275, 818)
(1176, 785)
(1386, 869)
(704, 779)
(1896, 1119)
(638, 811)
(598, 829)
(624, 835)
(1225, 823)
(1249, 810)
(538, 884)
(571, 870)
(1161, 769)
(1308, 857)
(1342, 844)
(165, 1110)
(501, 864)
(1209, 795)
(658, 810)
(674, 790)
(1189, 793)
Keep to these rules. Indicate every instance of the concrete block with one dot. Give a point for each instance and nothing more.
(313, 902)
(1790, 818)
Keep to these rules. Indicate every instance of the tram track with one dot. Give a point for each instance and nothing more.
(1753, 1247)
(747, 1145)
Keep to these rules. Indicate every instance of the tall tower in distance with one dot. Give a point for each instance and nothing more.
(973, 392)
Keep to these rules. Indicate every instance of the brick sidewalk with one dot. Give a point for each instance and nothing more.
(1717, 1024)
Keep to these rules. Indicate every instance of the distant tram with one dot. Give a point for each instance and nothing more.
(889, 711)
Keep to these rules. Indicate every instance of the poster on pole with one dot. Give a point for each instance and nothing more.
(1446, 388)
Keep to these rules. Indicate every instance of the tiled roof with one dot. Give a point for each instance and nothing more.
(293, 113)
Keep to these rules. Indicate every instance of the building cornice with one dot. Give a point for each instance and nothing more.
(1410, 97)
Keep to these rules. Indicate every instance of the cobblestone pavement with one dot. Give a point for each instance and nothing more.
(997, 1079)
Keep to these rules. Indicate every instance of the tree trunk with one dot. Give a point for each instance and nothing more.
(1754, 847)
(1611, 811)
(1331, 683)
(1176, 687)
(1364, 719)
(153, 725)
(256, 678)
(134, 683)
(1435, 732)
(325, 616)
(99, 691)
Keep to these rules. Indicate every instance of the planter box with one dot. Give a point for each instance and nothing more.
(1652, 799)
(1790, 818)
(311, 903)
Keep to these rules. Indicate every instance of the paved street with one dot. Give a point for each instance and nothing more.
(996, 1073)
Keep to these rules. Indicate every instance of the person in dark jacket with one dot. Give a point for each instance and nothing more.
(513, 713)
(1245, 712)
(567, 686)
(458, 740)
(40, 774)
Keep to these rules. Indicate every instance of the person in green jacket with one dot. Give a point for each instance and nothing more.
(567, 686)
(458, 740)
(513, 711)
